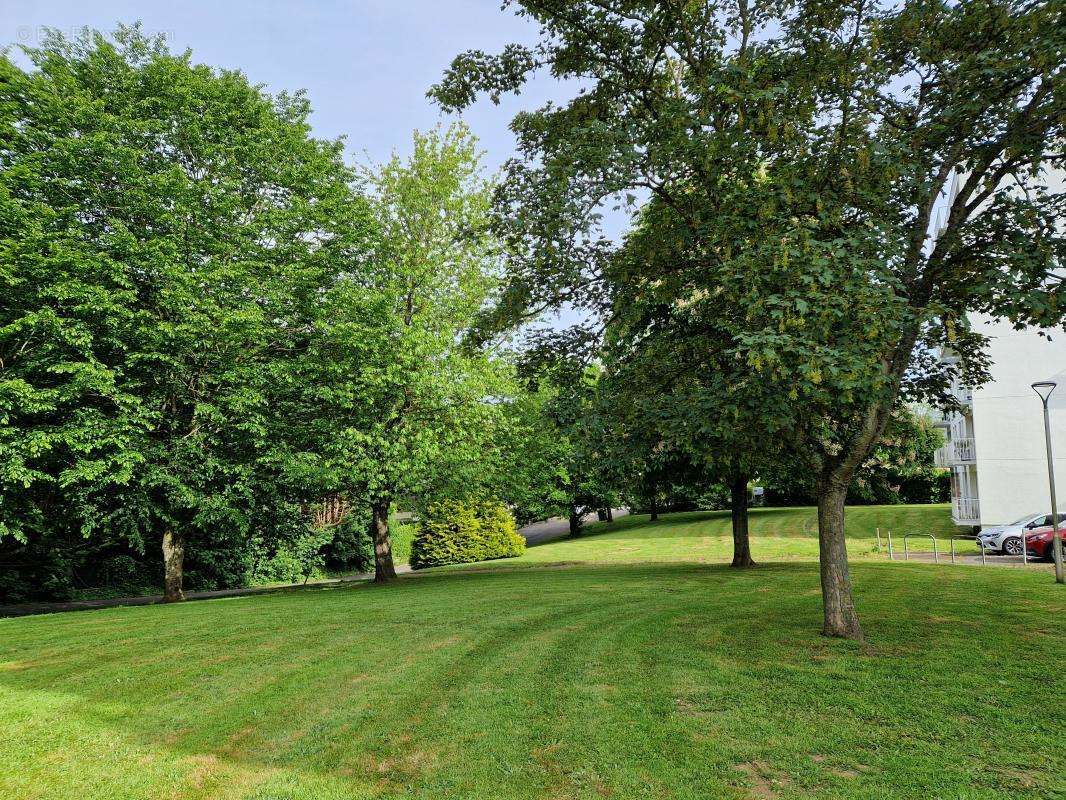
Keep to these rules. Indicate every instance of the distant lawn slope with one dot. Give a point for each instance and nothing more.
(638, 680)
(777, 534)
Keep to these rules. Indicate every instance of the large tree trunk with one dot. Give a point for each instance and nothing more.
(384, 569)
(610, 514)
(838, 607)
(575, 521)
(738, 489)
(654, 509)
(173, 566)
(840, 617)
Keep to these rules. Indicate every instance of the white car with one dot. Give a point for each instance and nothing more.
(1008, 538)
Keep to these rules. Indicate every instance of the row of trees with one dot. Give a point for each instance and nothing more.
(218, 340)
(211, 324)
(821, 192)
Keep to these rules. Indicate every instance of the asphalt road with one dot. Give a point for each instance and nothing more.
(557, 528)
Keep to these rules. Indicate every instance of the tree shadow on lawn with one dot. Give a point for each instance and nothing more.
(332, 687)
(668, 523)
(760, 519)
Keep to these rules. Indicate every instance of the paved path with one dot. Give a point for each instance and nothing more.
(557, 528)
(926, 557)
(537, 533)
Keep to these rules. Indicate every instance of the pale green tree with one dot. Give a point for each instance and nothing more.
(393, 405)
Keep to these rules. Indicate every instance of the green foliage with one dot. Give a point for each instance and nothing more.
(402, 535)
(165, 231)
(528, 458)
(836, 187)
(900, 469)
(386, 401)
(460, 532)
(350, 549)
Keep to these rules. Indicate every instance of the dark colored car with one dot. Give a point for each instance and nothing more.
(1038, 544)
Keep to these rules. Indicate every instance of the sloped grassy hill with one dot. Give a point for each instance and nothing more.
(777, 534)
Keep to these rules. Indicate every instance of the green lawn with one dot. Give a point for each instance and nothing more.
(615, 676)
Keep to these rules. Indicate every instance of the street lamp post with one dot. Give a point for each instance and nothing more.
(1044, 390)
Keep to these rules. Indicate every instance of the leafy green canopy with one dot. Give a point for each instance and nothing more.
(166, 232)
(801, 148)
(387, 401)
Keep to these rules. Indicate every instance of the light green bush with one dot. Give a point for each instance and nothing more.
(454, 532)
(401, 534)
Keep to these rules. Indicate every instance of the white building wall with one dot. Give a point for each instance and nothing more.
(1009, 427)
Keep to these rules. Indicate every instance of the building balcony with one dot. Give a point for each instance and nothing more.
(965, 511)
(955, 452)
(963, 451)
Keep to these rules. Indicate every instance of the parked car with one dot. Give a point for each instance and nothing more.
(1040, 543)
(1008, 538)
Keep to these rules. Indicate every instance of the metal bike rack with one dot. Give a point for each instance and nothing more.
(966, 539)
(906, 549)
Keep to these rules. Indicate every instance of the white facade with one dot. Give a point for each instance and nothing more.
(995, 448)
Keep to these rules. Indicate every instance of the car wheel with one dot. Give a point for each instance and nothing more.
(1012, 546)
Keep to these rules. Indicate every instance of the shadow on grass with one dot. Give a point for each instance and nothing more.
(788, 517)
(341, 685)
(640, 523)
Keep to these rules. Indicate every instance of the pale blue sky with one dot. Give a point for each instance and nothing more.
(366, 64)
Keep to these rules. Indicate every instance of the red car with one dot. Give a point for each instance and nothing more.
(1038, 544)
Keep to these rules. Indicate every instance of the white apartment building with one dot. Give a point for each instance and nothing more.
(995, 447)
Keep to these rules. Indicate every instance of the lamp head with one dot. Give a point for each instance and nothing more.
(1044, 389)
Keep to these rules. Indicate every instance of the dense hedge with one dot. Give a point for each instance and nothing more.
(452, 532)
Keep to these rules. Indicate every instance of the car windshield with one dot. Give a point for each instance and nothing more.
(1023, 520)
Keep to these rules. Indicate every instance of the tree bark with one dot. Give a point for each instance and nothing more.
(738, 489)
(610, 514)
(384, 569)
(173, 566)
(654, 509)
(575, 521)
(840, 617)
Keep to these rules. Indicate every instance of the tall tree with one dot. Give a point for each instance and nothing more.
(679, 364)
(390, 402)
(859, 115)
(161, 230)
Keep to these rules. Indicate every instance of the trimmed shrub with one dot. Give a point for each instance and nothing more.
(453, 532)
(401, 534)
